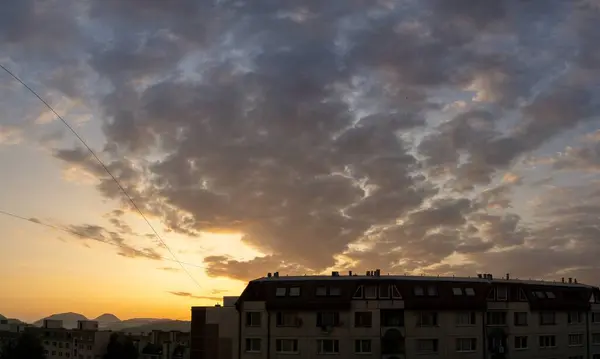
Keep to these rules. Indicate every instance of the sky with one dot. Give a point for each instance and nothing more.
(437, 137)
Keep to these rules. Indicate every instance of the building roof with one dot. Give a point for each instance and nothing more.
(416, 292)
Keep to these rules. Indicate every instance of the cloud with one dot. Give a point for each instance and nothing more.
(169, 269)
(321, 131)
(190, 295)
(10, 135)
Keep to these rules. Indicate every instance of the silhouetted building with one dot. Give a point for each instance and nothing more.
(387, 316)
(86, 342)
(162, 345)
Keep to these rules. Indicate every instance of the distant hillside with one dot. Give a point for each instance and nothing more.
(165, 325)
(69, 319)
(106, 320)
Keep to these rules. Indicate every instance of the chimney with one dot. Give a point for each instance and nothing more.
(479, 276)
(367, 273)
(377, 272)
(350, 273)
(269, 274)
(276, 274)
(570, 280)
(575, 280)
(335, 274)
(562, 279)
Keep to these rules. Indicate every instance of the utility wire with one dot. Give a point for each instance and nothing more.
(99, 239)
(129, 198)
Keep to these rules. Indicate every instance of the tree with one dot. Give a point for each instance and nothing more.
(28, 346)
(120, 348)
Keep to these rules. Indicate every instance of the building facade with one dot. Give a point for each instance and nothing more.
(398, 317)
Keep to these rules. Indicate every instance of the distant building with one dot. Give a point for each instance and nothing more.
(85, 342)
(162, 345)
(397, 317)
(215, 331)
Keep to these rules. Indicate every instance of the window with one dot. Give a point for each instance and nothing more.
(576, 357)
(596, 338)
(596, 317)
(502, 293)
(253, 345)
(427, 319)
(427, 345)
(540, 295)
(384, 291)
(363, 319)
(280, 292)
(496, 318)
(328, 346)
(432, 291)
(522, 296)
(466, 344)
(470, 292)
(465, 318)
(321, 291)
(370, 292)
(574, 317)
(253, 319)
(328, 319)
(457, 291)
(67, 345)
(547, 341)
(287, 319)
(575, 340)
(362, 346)
(294, 291)
(520, 342)
(491, 294)
(391, 317)
(89, 347)
(358, 293)
(596, 356)
(335, 291)
(419, 291)
(286, 345)
(520, 318)
(550, 295)
(395, 292)
(547, 318)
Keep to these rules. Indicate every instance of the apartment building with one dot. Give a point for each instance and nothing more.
(85, 342)
(395, 317)
(162, 345)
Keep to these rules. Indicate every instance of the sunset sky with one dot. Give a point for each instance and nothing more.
(444, 137)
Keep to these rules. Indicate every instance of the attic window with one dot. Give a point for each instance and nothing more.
(501, 293)
(593, 298)
(395, 292)
(358, 294)
(522, 295)
(457, 291)
(550, 295)
(335, 291)
(384, 291)
(371, 292)
(470, 292)
(419, 291)
(492, 294)
(294, 291)
(540, 295)
(321, 292)
(280, 292)
(432, 291)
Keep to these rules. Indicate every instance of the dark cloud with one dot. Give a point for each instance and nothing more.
(320, 131)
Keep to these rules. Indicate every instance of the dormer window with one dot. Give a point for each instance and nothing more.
(470, 292)
(294, 291)
(457, 291)
(432, 291)
(358, 293)
(371, 292)
(550, 295)
(540, 295)
(280, 292)
(384, 291)
(522, 295)
(502, 293)
(335, 291)
(321, 291)
(492, 294)
(395, 292)
(419, 291)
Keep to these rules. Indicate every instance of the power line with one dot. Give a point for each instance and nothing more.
(106, 169)
(99, 239)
